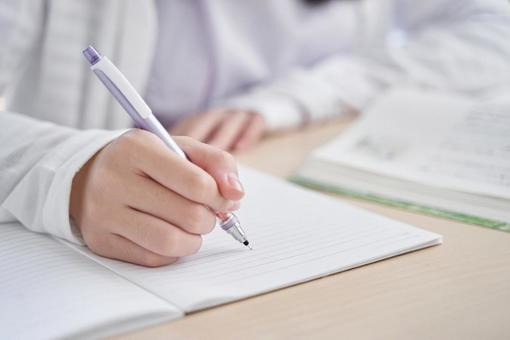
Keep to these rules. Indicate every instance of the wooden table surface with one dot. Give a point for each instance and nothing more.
(459, 290)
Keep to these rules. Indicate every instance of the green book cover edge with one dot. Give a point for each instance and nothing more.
(452, 215)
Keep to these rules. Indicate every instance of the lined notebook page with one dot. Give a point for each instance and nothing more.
(49, 291)
(297, 235)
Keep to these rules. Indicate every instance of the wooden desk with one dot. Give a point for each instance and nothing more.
(459, 290)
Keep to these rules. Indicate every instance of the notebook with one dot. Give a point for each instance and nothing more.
(436, 153)
(51, 288)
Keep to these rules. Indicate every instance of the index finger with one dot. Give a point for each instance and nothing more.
(155, 160)
(219, 164)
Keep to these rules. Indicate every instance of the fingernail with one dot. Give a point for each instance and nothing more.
(234, 181)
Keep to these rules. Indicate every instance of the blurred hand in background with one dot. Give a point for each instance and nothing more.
(230, 130)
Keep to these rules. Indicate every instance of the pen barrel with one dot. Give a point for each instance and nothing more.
(150, 123)
(233, 227)
(228, 223)
(153, 125)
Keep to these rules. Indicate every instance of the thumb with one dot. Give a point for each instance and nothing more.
(218, 163)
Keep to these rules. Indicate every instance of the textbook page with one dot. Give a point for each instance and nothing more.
(441, 140)
(48, 291)
(297, 235)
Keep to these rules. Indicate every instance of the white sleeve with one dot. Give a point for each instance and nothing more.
(38, 161)
(458, 45)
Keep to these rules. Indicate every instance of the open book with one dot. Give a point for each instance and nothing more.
(50, 288)
(436, 153)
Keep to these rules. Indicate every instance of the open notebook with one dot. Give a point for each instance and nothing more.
(438, 153)
(50, 288)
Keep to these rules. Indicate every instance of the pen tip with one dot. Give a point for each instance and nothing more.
(246, 243)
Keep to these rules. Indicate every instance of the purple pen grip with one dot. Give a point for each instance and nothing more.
(229, 222)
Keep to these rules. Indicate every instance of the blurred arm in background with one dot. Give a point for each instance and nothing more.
(451, 45)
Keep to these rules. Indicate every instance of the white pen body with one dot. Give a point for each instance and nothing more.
(132, 102)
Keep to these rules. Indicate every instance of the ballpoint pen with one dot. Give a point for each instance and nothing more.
(140, 112)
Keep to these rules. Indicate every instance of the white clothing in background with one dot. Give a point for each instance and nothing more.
(279, 58)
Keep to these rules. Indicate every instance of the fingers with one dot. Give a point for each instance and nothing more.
(253, 132)
(229, 130)
(120, 248)
(151, 198)
(156, 235)
(219, 164)
(153, 159)
(199, 127)
(138, 202)
(225, 129)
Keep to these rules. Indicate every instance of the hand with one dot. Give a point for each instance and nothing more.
(226, 129)
(138, 202)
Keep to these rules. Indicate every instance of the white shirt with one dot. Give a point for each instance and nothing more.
(209, 51)
(282, 72)
(294, 62)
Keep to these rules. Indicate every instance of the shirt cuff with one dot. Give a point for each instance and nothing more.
(330, 89)
(51, 179)
(279, 111)
(56, 216)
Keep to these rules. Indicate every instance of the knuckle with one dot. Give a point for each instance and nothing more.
(137, 138)
(128, 145)
(139, 134)
(201, 186)
(223, 157)
(131, 137)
